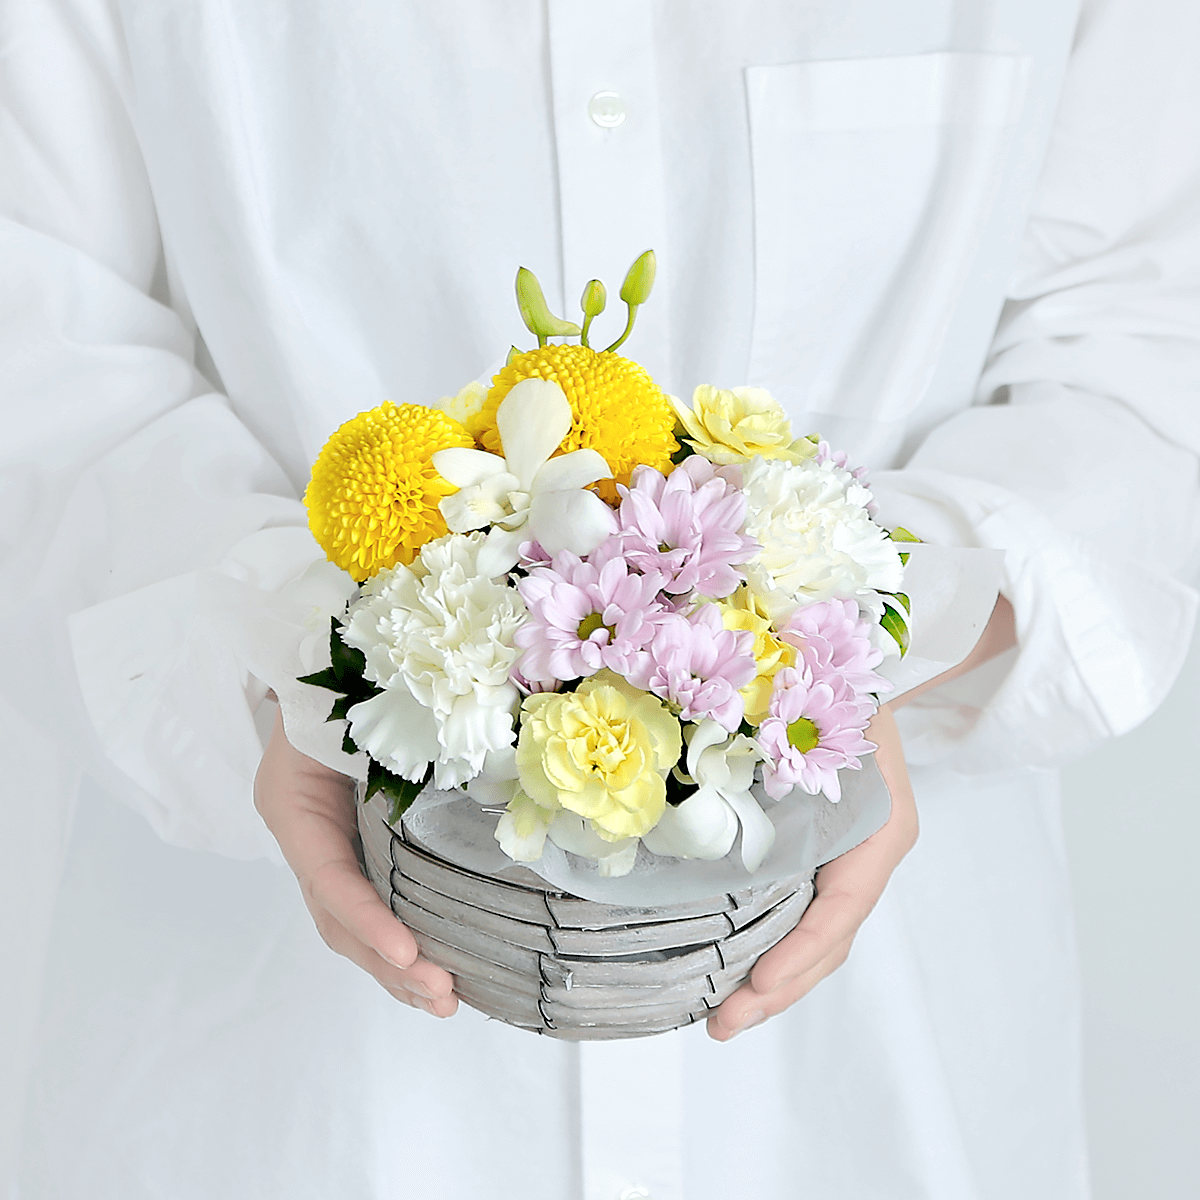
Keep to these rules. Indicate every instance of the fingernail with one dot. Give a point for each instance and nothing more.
(755, 1017)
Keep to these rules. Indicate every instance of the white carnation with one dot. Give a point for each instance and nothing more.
(818, 540)
(439, 634)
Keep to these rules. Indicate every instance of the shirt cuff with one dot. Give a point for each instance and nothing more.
(1101, 637)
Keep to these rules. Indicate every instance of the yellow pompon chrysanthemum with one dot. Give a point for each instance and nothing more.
(619, 411)
(373, 497)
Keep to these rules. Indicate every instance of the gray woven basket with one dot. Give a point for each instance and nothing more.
(556, 964)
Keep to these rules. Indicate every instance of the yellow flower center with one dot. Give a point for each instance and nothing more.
(619, 411)
(590, 624)
(803, 734)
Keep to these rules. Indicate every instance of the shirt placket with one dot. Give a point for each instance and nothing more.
(610, 163)
(612, 208)
(631, 1118)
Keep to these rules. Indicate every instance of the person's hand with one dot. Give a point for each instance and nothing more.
(846, 891)
(848, 887)
(310, 810)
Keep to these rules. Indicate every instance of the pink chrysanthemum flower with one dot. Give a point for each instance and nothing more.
(833, 639)
(698, 664)
(584, 616)
(813, 730)
(532, 555)
(685, 525)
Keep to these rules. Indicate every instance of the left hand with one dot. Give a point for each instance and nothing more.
(846, 890)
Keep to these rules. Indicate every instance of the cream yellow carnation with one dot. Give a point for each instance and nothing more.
(465, 407)
(744, 611)
(602, 752)
(735, 424)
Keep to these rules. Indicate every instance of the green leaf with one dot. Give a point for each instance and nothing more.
(639, 280)
(348, 663)
(513, 352)
(323, 679)
(536, 314)
(896, 626)
(900, 534)
(903, 600)
(400, 793)
(349, 745)
(904, 557)
(684, 451)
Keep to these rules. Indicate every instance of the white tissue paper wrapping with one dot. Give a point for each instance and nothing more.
(952, 592)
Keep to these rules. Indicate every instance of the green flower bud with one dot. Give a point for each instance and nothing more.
(594, 299)
(640, 279)
(538, 318)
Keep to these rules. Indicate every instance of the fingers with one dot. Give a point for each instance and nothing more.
(422, 985)
(310, 810)
(831, 919)
(748, 1007)
(339, 888)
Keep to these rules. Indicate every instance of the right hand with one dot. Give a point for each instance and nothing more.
(310, 810)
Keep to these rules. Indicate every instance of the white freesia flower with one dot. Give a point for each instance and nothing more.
(438, 638)
(818, 540)
(524, 825)
(527, 495)
(706, 823)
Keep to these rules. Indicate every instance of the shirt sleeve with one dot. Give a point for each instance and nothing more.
(1079, 458)
(141, 522)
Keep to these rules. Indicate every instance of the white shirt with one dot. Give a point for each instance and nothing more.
(230, 227)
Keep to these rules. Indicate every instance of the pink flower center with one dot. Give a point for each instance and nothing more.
(803, 734)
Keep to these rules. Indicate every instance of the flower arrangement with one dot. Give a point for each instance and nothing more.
(613, 619)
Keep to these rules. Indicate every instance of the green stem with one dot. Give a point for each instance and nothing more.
(583, 333)
(628, 330)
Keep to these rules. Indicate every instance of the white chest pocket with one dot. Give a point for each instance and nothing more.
(872, 180)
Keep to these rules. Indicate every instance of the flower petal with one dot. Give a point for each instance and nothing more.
(532, 420)
(521, 831)
(703, 826)
(574, 520)
(500, 552)
(397, 730)
(464, 467)
(704, 735)
(574, 470)
(758, 833)
(462, 513)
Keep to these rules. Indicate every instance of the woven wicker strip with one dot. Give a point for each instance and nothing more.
(567, 967)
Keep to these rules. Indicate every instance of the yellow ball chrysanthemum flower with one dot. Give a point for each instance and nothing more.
(619, 411)
(373, 497)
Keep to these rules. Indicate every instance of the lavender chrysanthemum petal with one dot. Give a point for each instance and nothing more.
(831, 714)
(834, 639)
(585, 616)
(698, 664)
(687, 526)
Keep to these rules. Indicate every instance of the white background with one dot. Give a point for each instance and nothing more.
(1132, 813)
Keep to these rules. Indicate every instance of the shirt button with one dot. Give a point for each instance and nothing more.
(607, 110)
(635, 1193)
